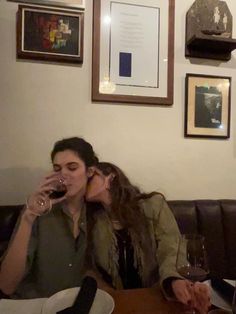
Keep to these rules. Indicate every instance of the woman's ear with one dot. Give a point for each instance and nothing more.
(90, 171)
(108, 181)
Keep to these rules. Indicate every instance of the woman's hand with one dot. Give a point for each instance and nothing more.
(39, 202)
(202, 297)
(196, 295)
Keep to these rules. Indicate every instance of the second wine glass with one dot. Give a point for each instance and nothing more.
(191, 261)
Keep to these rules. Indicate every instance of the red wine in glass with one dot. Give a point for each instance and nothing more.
(193, 273)
(59, 191)
(57, 194)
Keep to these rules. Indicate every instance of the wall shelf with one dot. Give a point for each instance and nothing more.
(210, 47)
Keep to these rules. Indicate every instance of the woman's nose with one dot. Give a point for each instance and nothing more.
(64, 173)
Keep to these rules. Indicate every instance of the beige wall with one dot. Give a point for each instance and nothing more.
(42, 102)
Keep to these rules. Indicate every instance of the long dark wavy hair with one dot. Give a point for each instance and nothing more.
(125, 207)
(125, 198)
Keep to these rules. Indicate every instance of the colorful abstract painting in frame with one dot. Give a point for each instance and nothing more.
(50, 34)
(66, 4)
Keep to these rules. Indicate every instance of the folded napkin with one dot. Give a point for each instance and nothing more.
(225, 289)
(84, 299)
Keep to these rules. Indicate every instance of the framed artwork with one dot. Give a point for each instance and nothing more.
(207, 106)
(133, 61)
(70, 4)
(50, 34)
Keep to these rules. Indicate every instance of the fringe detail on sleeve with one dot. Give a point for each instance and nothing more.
(107, 253)
(144, 258)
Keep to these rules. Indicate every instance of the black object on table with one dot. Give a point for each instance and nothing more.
(225, 289)
(3, 295)
(84, 299)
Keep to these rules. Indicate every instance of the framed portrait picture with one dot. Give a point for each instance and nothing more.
(133, 61)
(50, 34)
(207, 106)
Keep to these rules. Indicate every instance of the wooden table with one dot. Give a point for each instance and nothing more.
(144, 301)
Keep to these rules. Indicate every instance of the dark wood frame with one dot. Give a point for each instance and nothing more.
(97, 96)
(53, 3)
(48, 56)
(206, 132)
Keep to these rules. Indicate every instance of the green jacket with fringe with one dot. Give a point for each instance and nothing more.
(162, 238)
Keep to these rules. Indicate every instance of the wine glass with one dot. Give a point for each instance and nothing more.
(42, 202)
(191, 261)
(59, 189)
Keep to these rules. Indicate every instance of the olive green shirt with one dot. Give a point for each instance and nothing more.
(55, 258)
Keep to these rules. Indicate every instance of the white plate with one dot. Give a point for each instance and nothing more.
(216, 299)
(102, 304)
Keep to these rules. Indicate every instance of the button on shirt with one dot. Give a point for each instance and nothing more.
(55, 258)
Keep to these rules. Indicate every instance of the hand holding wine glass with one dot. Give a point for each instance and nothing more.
(191, 263)
(51, 191)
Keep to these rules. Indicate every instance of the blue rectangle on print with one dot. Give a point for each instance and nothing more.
(125, 64)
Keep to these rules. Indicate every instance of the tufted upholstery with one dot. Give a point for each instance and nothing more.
(215, 219)
(8, 218)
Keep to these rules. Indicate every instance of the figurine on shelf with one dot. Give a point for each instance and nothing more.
(214, 18)
(209, 30)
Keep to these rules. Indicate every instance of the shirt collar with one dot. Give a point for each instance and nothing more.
(82, 218)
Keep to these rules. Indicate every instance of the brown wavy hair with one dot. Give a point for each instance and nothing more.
(125, 198)
(126, 207)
